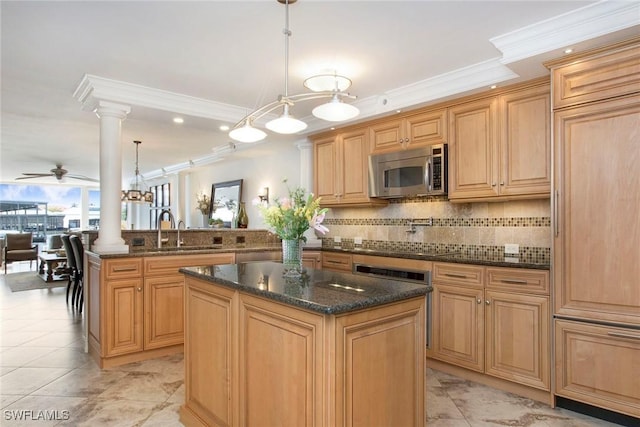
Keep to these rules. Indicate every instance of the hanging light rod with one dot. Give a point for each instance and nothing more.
(328, 85)
(136, 195)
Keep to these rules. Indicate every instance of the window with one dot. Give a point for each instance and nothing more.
(161, 200)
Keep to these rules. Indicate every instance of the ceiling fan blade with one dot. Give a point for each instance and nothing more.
(34, 175)
(81, 177)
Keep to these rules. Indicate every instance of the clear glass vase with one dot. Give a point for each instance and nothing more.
(292, 253)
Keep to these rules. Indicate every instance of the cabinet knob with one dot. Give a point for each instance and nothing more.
(487, 302)
(502, 183)
(139, 289)
(493, 184)
(479, 300)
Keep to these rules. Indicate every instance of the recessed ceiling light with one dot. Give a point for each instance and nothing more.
(494, 86)
(568, 50)
(178, 120)
(224, 128)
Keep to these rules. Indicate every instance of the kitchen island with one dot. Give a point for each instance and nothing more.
(264, 347)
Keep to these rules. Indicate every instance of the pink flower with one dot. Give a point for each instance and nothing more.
(316, 223)
(285, 203)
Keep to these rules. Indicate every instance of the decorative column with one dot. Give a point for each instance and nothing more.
(109, 236)
(306, 182)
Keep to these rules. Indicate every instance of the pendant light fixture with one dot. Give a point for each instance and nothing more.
(330, 86)
(136, 195)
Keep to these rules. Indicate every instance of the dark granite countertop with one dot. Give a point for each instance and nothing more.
(455, 257)
(321, 291)
(460, 258)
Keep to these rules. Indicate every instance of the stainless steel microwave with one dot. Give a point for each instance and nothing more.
(418, 172)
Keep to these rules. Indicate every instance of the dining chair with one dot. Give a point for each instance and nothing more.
(78, 253)
(71, 265)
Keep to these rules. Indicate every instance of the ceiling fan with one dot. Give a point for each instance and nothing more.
(59, 173)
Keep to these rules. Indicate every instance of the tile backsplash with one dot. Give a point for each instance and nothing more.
(467, 227)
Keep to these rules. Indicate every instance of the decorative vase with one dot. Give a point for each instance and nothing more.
(292, 253)
(205, 220)
(243, 219)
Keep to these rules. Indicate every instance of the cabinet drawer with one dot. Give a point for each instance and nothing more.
(170, 264)
(333, 261)
(598, 365)
(123, 268)
(601, 77)
(458, 274)
(518, 280)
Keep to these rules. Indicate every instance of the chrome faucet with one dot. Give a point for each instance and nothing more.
(162, 240)
(180, 242)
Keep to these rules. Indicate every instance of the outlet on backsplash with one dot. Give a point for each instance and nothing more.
(337, 241)
(357, 241)
(511, 249)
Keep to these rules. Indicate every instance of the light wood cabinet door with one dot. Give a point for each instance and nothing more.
(377, 385)
(210, 353)
(341, 169)
(163, 311)
(517, 338)
(327, 159)
(525, 142)
(123, 316)
(473, 149)
(613, 71)
(597, 268)
(413, 131)
(599, 365)
(458, 326)
(312, 259)
(354, 164)
(280, 348)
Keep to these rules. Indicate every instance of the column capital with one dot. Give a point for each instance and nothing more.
(112, 109)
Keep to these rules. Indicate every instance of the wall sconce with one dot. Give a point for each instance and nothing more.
(263, 195)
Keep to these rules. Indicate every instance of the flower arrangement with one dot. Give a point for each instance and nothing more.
(204, 203)
(289, 217)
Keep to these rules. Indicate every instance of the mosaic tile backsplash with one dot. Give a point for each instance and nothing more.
(471, 228)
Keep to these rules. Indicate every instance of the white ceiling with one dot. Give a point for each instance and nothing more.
(406, 53)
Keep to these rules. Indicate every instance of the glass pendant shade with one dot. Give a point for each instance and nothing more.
(327, 82)
(335, 111)
(286, 123)
(247, 133)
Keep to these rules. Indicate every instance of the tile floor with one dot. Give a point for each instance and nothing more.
(45, 374)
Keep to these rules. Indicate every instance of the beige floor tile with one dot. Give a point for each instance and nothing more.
(27, 380)
(39, 411)
(22, 355)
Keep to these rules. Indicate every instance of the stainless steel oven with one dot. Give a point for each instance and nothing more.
(422, 277)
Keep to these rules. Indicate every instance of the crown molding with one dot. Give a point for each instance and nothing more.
(582, 24)
(93, 89)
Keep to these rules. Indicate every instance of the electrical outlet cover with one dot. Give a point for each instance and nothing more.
(337, 239)
(511, 248)
(357, 240)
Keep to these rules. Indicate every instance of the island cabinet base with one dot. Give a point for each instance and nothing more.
(252, 361)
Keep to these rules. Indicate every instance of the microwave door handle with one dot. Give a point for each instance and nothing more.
(427, 173)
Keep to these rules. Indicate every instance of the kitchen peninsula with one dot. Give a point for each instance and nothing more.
(263, 347)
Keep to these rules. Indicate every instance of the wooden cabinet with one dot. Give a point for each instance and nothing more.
(605, 73)
(341, 169)
(499, 147)
(598, 365)
(255, 361)
(407, 132)
(209, 357)
(336, 261)
(596, 213)
(123, 316)
(596, 228)
(312, 259)
(493, 320)
(140, 305)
